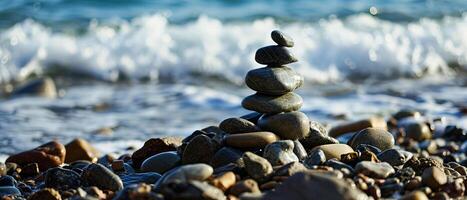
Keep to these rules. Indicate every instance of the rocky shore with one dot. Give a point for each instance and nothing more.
(276, 152)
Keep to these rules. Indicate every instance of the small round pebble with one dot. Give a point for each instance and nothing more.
(433, 177)
(372, 136)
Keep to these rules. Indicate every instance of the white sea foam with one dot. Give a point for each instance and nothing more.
(150, 47)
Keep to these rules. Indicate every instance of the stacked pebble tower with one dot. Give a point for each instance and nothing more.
(275, 85)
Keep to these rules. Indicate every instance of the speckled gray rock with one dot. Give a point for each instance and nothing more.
(290, 125)
(395, 157)
(274, 55)
(280, 152)
(226, 155)
(273, 104)
(282, 39)
(200, 149)
(374, 170)
(304, 185)
(299, 150)
(256, 166)
(372, 136)
(161, 162)
(199, 172)
(238, 125)
(273, 80)
(315, 157)
(62, 179)
(101, 177)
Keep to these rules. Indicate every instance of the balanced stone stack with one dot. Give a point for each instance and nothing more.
(275, 85)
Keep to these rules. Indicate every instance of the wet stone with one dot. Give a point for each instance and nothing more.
(373, 122)
(280, 152)
(256, 166)
(199, 172)
(154, 146)
(136, 192)
(282, 39)
(238, 125)
(312, 141)
(290, 125)
(101, 177)
(62, 179)
(374, 170)
(252, 117)
(395, 157)
(433, 177)
(250, 140)
(299, 150)
(51, 154)
(376, 137)
(415, 195)
(273, 104)
(334, 150)
(339, 165)
(200, 149)
(417, 130)
(368, 147)
(136, 178)
(274, 55)
(226, 155)
(80, 149)
(315, 157)
(162, 162)
(273, 80)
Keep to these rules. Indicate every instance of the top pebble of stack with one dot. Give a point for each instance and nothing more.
(282, 39)
(276, 54)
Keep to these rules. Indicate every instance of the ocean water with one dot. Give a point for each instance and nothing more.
(131, 70)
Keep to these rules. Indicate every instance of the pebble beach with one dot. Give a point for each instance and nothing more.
(233, 100)
(274, 152)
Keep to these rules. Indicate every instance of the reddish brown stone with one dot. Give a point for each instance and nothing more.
(373, 122)
(47, 193)
(48, 155)
(80, 149)
(154, 146)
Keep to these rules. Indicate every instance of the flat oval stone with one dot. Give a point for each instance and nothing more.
(250, 140)
(374, 170)
(273, 80)
(289, 125)
(101, 177)
(198, 172)
(372, 122)
(280, 152)
(49, 155)
(372, 136)
(273, 104)
(282, 39)
(161, 162)
(334, 150)
(238, 125)
(274, 55)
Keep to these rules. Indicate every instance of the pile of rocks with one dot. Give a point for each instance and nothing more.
(273, 153)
